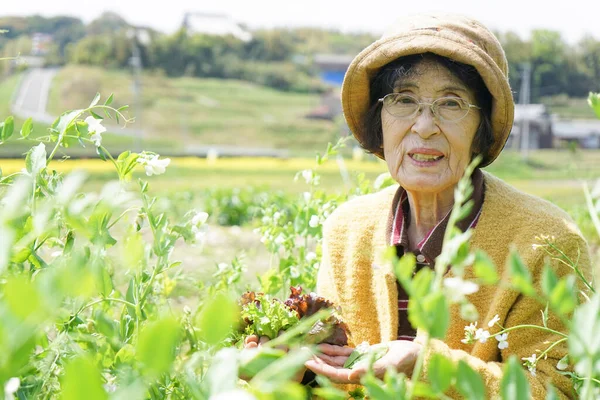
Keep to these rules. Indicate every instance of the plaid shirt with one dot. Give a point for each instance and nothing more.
(427, 250)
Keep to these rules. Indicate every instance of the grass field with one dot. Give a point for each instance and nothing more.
(554, 175)
(201, 111)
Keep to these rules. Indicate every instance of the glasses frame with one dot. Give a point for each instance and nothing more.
(431, 106)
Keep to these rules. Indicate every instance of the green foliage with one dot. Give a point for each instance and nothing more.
(219, 316)
(514, 384)
(469, 383)
(88, 310)
(82, 380)
(268, 318)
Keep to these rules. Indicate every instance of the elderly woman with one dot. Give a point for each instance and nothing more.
(427, 97)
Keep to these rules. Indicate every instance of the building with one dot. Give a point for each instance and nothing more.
(214, 24)
(584, 133)
(539, 131)
(332, 67)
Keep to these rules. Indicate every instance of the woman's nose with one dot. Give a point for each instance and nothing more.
(425, 124)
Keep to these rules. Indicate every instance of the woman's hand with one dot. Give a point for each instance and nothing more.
(252, 341)
(401, 355)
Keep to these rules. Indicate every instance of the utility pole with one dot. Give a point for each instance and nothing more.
(136, 65)
(524, 99)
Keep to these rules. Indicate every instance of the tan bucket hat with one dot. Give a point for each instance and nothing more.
(453, 36)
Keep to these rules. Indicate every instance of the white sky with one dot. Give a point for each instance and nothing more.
(573, 18)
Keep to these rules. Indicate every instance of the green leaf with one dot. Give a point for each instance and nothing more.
(123, 108)
(82, 380)
(27, 128)
(549, 280)
(436, 307)
(157, 344)
(514, 385)
(62, 123)
(520, 275)
(551, 393)
(404, 269)
(282, 370)
(430, 313)
(594, 102)
(22, 297)
(563, 297)
(6, 128)
(104, 156)
(469, 382)
(95, 101)
(218, 318)
(375, 388)
(441, 372)
(109, 100)
(35, 160)
(222, 375)
(95, 115)
(252, 361)
(484, 268)
(421, 283)
(134, 251)
(131, 296)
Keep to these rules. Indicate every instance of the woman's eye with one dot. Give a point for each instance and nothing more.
(450, 103)
(405, 100)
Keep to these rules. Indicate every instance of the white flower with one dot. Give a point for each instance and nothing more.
(200, 218)
(10, 388)
(279, 240)
(97, 139)
(530, 363)
(457, 288)
(482, 335)
(494, 321)
(307, 174)
(563, 363)
(311, 256)
(470, 333)
(306, 196)
(502, 341)
(276, 216)
(94, 125)
(153, 165)
(314, 221)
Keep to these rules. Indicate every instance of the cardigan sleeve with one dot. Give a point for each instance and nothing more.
(527, 341)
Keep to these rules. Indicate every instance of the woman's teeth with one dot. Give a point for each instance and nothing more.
(425, 157)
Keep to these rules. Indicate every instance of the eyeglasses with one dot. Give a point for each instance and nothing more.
(445, 108)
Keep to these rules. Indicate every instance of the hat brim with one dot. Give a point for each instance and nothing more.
(355, 88)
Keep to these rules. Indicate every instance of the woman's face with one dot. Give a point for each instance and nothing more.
(423, 153)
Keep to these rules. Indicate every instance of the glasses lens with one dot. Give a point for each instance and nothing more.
(400, 105)
(450, 108)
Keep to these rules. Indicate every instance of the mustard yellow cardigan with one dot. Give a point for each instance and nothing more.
(353, 275)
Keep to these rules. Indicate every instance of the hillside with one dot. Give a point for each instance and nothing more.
(201, 111)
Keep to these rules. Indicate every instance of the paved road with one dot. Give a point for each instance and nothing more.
(32, 95)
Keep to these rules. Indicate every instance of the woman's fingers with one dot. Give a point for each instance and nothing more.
(333, 350)
(336, 361)
(336, 374)
(250, 342)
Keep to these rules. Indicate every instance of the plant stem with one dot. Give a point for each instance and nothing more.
(543, 328)
(553, 345)
(110, 299)
(418, 367)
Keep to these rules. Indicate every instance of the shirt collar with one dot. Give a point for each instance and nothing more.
(431, 245)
